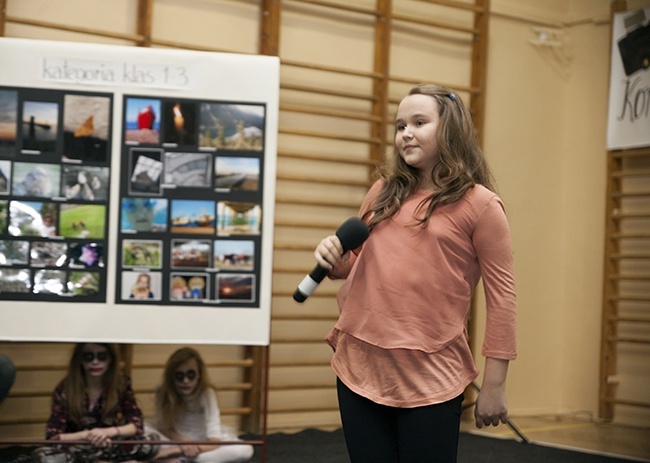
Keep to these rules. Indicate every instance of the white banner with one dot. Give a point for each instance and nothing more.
(628, 123)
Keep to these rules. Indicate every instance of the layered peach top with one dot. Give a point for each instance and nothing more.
(401, 338)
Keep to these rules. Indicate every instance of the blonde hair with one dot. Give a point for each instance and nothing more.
(460, 162)
(170, 404)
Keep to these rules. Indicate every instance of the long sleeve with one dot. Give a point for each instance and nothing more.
(131, 413)
(58, 420)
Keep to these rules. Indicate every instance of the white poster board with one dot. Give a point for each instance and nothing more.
(628, 121)
(188, 141)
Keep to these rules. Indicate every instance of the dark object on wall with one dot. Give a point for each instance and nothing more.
(635, 46)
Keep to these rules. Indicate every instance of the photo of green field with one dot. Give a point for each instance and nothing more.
(82, 221)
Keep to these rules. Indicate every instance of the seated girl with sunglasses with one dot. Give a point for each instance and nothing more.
(94, 403)
(187, 410)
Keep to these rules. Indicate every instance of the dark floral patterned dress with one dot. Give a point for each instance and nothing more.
(127, 412)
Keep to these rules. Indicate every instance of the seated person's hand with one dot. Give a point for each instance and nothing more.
(98, 437)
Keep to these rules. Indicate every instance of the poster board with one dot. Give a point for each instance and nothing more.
(137, 191)
(628, 120)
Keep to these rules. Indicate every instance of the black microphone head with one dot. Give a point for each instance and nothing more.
(352, 233)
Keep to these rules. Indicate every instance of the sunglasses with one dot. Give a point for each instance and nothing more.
(180, 376)
(88, 357)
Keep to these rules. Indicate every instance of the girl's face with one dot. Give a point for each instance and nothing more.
(143, 281)
(186, 378)
(95, 360)
(416, 132)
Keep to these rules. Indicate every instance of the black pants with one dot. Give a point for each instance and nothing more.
(380, 434)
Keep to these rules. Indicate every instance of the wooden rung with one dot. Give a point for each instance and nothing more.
(631, 403)
(303, 409)
(329, 113)
(630, 236)
(330, 136)
(630, 153)
(336, 70)
(629, 298)
(279, 364)
(628, 319)
(318, 294)
(330, 181)
(435, 24)
(299, 387)
(339, 6)
(456, 4)
(619, 277)
(329, 226)
(629, 256)
(304, 316)
(408, 80)
(325, 91)
(629, 215)
(297, 340)
(81, 30)
(622, 340)
(314, 202)
(246, 362)
(326, 158)
(631, 173)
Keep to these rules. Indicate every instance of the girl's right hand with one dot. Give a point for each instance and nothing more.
(328, 252)
(98, 437)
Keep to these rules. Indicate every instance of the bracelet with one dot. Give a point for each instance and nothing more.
(117, 430)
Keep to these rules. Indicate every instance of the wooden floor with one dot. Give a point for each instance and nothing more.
(575, 433)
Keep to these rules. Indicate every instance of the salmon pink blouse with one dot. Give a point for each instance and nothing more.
(401, 338)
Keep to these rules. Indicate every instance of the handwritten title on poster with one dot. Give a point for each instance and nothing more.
(91, 72)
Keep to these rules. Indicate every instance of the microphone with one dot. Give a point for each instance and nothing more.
(352, 233)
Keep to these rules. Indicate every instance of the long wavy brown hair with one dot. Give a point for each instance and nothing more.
(170, 404)
(74, 385)
(460, 162)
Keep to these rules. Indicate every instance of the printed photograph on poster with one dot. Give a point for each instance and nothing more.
(236, 173)
(629, 106)
(234, 255)
(33, 218)
(8, 122)
(48, 281)
(86, 126)
(193, 216)
(4, 215)
(141, 286)
(188, 169)
(190, 287)
(5, 177)
(238, 218)
(179, 123)
(144, 215)
(15, 280)
(142, 253)
(235, 287)
(40, 127)
(231, 126)
(14, 252)
(190, 254)
(82, 255)
(85, 183)
(48, 253)
(36, 179)
(146, 170)
(142, 121)
(86, 221)
(84, 283)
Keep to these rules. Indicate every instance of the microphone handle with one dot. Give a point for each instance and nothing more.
(310, 283)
